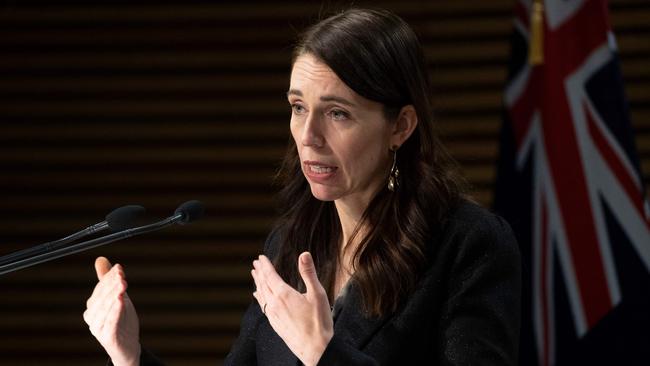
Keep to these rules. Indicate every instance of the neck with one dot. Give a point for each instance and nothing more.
(351, 208)
(350, 216)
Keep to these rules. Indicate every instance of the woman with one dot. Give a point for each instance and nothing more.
(377, 258)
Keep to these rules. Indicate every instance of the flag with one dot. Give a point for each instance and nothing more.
(569, 183)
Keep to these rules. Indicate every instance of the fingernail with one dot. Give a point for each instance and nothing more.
(304, 258)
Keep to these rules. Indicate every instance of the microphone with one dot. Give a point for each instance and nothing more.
(187, 212)
(117, 220)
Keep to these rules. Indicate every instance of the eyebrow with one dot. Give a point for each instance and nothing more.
(324, 98)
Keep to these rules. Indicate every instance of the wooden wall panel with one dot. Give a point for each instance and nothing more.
(157, 102)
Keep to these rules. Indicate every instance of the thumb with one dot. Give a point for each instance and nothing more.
(102, 265)
(308, 272)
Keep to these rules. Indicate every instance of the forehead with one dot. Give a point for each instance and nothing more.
(311, 76)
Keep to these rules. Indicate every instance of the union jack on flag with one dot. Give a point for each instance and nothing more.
(570, 185)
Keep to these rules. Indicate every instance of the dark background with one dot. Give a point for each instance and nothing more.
(156, 102)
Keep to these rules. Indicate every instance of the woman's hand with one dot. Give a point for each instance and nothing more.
(111, 316)
(303, 321)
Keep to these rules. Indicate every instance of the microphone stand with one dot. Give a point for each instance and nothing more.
(119, 219)
(89, 244)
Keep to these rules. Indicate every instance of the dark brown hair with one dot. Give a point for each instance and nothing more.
(377, 55)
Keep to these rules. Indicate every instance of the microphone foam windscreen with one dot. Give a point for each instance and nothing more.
(191, 211)
(124, 217)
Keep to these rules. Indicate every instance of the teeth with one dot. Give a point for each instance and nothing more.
(320, 169)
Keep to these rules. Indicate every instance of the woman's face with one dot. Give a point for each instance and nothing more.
(343, 139)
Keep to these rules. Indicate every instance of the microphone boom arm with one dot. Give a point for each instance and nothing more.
(90, 244)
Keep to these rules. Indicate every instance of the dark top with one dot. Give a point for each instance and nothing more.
(464, 311)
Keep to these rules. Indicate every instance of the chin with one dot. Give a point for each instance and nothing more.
(323, 193)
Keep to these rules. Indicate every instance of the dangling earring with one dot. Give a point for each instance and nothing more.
(393, 177)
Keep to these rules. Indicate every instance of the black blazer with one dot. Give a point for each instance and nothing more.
(465, 311)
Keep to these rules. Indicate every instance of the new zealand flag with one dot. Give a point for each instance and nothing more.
(569, 184)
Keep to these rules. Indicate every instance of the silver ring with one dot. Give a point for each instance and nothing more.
(264, 309)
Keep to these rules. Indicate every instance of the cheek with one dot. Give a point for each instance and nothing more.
(365, 159)
(296, 132)
(293, 127)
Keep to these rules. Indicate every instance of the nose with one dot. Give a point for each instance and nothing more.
(311, 134)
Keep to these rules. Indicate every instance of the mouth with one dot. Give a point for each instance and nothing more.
(320, 169)
(315, 169)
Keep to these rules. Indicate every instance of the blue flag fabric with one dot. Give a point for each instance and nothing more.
(569, 183)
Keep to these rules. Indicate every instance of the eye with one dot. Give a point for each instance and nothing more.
(297, 108)
(338, 114)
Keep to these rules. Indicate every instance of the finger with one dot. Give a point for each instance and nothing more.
(108, 289)
(260, 302)
(112, 285)
(271, 277)
(100, 316)
(102, 266)
(259, 291)
(258, 295)
(307, 271)
(114, 315)
(94, 317)
(105, 285)
(262, 280)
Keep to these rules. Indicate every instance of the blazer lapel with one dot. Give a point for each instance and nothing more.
(352, 326)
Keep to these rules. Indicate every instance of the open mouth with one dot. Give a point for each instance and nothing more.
(319, 170)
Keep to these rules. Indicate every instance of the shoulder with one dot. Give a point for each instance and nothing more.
(469, 221)
(272, 243)
(479, 265)
(472, 231)
(469, 216)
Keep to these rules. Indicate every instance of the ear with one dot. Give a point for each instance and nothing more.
(406, 122)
